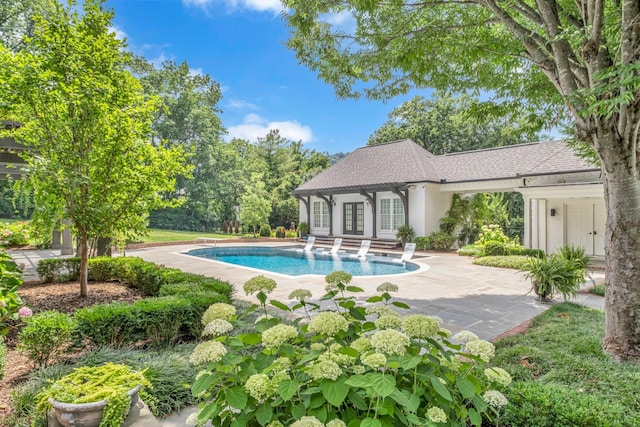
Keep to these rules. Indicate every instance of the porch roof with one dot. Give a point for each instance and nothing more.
(396, 164)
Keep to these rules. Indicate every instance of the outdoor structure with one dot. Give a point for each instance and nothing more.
(375, 189)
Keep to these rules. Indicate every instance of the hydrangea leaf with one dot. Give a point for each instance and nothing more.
(334, 391)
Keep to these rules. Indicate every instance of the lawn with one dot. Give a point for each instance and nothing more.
(563, 378)
(157, 235)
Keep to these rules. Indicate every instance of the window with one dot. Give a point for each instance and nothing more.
(391, 214)
(320, 215)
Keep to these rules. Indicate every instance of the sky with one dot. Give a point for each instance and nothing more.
(241, 45)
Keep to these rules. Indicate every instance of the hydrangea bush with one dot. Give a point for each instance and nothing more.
(359, 364)
(11, 305)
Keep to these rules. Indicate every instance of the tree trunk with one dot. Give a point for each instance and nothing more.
(622, 243)
(84, 266)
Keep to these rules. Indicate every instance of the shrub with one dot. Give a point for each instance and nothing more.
(520, 250)
(339, 366)
(49, 270)
(470, 250)
(551, 405)
(3, 356)
(149, 322)
(422, 243)
(14, 234)
(553, 274)
(45, 336)
(265, 230)
(102, 269)
(281, 232)
(405, 233)
(441, 241)
(72, 265)
(10, 301)
(598, 289)
(491, 233)
(516, 262)
(495, 248)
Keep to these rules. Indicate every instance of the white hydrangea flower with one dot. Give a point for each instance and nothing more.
(388, 321)
(277, 335)
(359, 369)
(374, 360)
(481, 348)
(300, 294)
(217, 327)
(390, 342)
(192, 419)
(317, 346)
(281, 364)
(307, 422)
(208, 351)
(464, 337)
(328, 323)
(340, 359)
(263, 317)
(498, 376)
(436, 415)
(275, 424)
(420, 326)
(218, 310)
(259, 386)
(380, 310)
(387, 287)
(362, 344)
(445, 332)
(495, 398)
(324, 369)
(259, 284)
(336, 423)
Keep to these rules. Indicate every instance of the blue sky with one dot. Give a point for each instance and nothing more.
(240, 44)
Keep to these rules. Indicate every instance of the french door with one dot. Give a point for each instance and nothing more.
(353, 218)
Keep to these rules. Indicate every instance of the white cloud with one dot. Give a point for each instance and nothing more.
(120, 34)
(339, 19)
(274, 6)
(239, 104)
(158, 60)
(254, 127)
(195, 72)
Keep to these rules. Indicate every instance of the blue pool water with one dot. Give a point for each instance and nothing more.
(294, 263)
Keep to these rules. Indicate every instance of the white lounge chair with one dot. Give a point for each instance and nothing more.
(335, 248)
(409, 250)
(364, 248)
(310, 242)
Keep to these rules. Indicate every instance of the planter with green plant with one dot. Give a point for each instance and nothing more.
(94, 396)
(303, 229)
(405, 234)
(560, 273)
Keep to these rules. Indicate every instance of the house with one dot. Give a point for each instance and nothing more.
(375, 189)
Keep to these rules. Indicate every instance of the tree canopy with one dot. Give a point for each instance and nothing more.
(88, 125)
(539, 61)
(445, 124)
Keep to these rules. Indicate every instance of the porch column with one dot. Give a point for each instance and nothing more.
(307, 206)
(67, 243)
(372, 201)
(329, 202)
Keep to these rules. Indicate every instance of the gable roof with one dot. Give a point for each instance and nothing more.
(399, 163)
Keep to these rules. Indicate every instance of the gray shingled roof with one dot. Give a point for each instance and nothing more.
(401, 162)
(375, 166)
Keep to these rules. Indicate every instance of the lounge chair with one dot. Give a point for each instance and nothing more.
(335, 248)
(364, 248)
(310, 242)
(409, 250)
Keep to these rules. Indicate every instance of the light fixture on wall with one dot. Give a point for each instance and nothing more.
(552, 212)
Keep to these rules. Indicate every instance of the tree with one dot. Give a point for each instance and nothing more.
(87, 122)
(255, 207)
(445, 124)
(541, 60)
(16, 21)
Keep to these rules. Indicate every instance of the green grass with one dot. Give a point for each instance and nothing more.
(156, 235)
(558, 367)
(598, 289)
(517, 262)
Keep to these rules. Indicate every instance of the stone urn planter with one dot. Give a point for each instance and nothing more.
(84, 414)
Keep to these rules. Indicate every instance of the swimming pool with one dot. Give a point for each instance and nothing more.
(292, 262)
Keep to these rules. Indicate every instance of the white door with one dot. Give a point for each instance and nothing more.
(585, 226)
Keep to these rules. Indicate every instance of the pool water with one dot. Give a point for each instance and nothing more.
(297, 263)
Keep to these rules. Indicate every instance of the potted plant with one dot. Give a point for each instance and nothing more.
(405, 234)
(303, 229)
(554, 274)
(93, 396)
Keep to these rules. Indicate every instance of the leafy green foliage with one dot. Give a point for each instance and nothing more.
(14, 234)
(3, 356)
(255, 207)
(438, 241)
(567, 378)
(110, 382)
(405, 233)
(342, 366)
(45, 337)
(10, 301)
(58, 269)
(598, 289)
